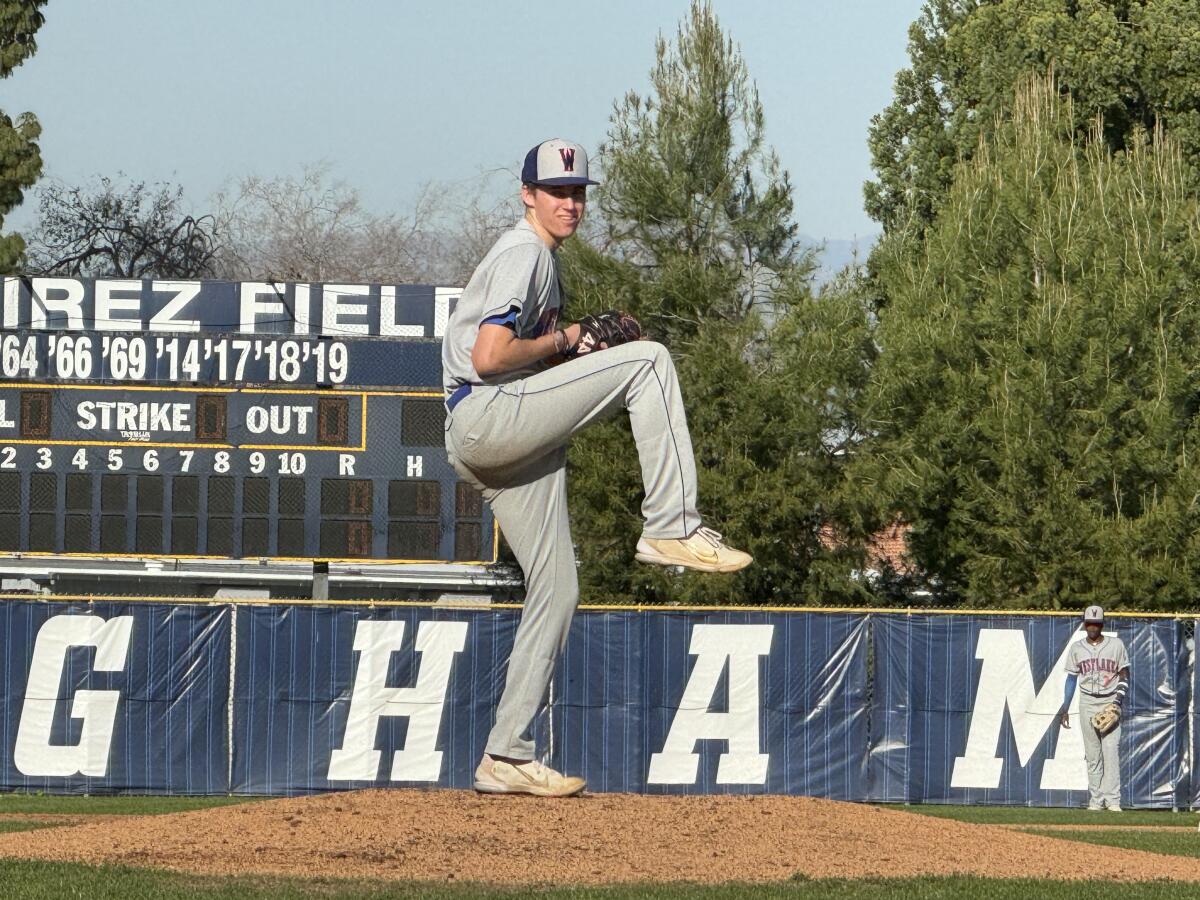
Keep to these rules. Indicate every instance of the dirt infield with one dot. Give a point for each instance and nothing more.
(459, 836)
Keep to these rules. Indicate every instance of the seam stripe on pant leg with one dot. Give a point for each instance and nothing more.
(666, 408)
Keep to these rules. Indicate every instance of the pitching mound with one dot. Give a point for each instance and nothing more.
(456, 835)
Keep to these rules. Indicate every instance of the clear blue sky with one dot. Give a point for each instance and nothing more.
(396, 93)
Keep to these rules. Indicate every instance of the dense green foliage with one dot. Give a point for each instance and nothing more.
(20, 160)
(1136, 62)
(695, 236)
(1036, 389)
(1032, 405)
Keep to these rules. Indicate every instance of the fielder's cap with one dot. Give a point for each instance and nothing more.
(556, 162)
(1093, 614)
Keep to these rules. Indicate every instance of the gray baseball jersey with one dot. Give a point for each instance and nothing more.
(1097, 665)
(515, 285)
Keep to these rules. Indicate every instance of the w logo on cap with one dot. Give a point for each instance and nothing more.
(556, 162)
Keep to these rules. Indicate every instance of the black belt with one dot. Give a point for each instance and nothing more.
(1090, 694)
(459, 392)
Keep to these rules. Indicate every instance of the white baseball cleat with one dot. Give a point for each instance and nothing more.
(495, 776)
(1114, 807)
(702, 550)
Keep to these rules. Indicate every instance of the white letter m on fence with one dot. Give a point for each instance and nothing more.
(1006, 682)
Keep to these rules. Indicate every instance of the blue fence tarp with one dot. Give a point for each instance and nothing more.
(965, 711)
(114, 697)
(209, 698)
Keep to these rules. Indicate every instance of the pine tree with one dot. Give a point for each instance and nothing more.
(695, 236)
(20, 160)
(1133, 62)
(1035, 395)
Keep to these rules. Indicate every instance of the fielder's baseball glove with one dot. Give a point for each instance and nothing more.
(604, 330)
(1106, 720)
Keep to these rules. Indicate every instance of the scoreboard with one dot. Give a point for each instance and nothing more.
(208, 420)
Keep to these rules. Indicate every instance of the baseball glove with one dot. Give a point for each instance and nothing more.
(1107, 719)
(604, 330)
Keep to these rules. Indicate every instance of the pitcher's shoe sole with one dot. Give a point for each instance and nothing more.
(702, 550)
(698, 565)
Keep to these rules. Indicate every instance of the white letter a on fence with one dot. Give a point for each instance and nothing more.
(713, 645)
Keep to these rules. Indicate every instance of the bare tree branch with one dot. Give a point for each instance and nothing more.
(316, 228)
(130, 230)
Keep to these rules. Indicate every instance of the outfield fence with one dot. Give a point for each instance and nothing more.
(162, 695)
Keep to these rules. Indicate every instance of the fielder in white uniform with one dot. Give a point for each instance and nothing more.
(1099, 664)
(518, 386)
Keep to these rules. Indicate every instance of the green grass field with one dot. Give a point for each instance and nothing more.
(37, 880)
(51, 881)
(41, 804)
(1021, 815)
(1184, 843)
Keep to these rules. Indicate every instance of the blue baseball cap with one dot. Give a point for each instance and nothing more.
(556, 162)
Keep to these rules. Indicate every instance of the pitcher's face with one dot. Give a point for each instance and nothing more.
(556, 209)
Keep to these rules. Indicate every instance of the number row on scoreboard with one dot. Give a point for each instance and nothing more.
(114, 459)
(227, 517)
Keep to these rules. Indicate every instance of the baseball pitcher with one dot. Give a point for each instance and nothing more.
(519, 385)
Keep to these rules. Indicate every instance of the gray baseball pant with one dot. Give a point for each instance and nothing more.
(509, 441)
(1101, 753)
